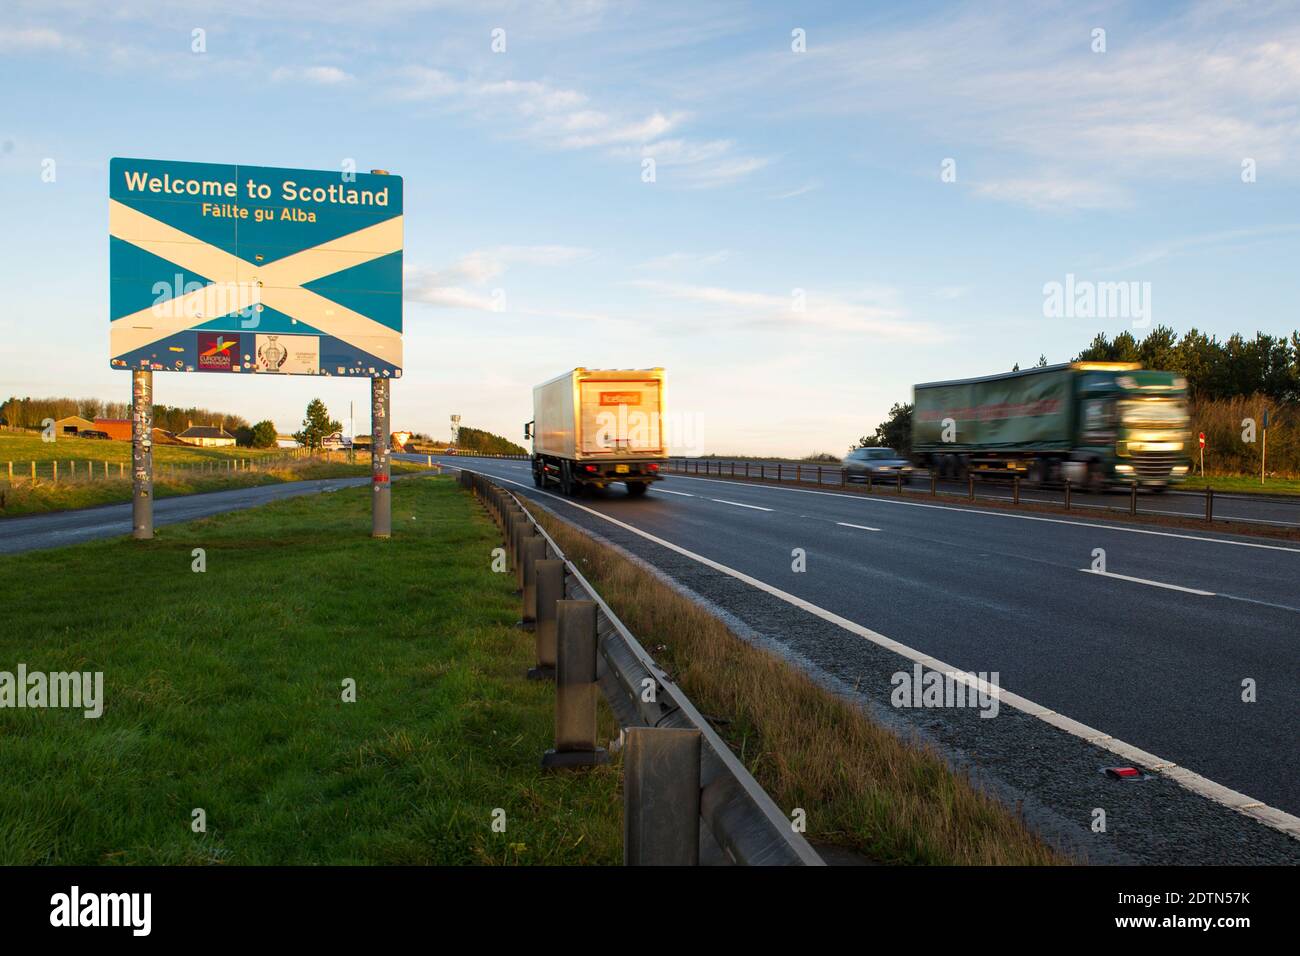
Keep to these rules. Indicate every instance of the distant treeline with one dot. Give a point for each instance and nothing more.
(30, 412)
(1266, 365)
(475, 439)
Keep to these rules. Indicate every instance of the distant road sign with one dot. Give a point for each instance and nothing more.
(1202, 439)
(254, 269)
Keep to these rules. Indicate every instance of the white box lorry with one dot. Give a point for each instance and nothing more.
(596, 427)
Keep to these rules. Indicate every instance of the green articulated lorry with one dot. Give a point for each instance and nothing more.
(1092, 423)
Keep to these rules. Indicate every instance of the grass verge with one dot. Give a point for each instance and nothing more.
(894, 802)
(44, 495)
(224, 692)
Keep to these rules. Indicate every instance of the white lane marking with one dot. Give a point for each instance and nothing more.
(1154, 584)
(1188, 779)
(1005, 514)
(738, 504)
(845, 524)
(665, 491)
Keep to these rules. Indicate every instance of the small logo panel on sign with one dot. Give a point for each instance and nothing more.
(218, 352)
(288, 354)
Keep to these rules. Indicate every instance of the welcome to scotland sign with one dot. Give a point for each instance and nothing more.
(254, 269)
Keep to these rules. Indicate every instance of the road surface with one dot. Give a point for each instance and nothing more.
(1156, 652)
(1184, 500)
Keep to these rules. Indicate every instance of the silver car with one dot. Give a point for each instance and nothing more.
(879, 463)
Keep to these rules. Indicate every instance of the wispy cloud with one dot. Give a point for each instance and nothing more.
(35, 40)
(320, 75)
(800, 310)
(1204, 243)
(563, 118)
(798, 190)
(452, 286)
(1185, 96)
(674, 261)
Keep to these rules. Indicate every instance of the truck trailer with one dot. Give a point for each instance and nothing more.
(1094, 424)
(595, 427)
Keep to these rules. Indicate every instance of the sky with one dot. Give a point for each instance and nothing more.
(846, 198)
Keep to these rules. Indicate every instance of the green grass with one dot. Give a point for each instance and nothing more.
(223, 691)
(1244, 483)
(81, 488)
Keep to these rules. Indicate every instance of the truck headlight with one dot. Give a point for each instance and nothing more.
(1124, 469)
(1180, 469)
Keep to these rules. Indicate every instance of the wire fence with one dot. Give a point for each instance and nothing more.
(73, 470)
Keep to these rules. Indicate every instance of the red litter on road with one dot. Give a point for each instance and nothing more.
(1123, 773)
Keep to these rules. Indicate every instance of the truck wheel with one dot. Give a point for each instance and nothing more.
(1094, 482)
(636, 489)
(566, 482)
(539, 478)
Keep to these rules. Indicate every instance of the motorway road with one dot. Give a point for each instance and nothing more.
(1183, 500)
(1153, 653)
(61, 528)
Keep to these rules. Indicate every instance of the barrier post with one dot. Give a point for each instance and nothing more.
(661, 796)
(534, 550)
(550, 590)
(575, 688)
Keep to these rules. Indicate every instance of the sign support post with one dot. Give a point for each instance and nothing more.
(142, 453)
(1263, 451)
(382, 504)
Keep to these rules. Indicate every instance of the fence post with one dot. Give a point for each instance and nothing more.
(56, 471)
(970, 490)
(534, 550)
(1133, 497)
(33, 472)
(844, 477)
(550, 590)
(778, 471)
(1209, 503)
(900, 482)
(661, 796)
(575, 688)
(934, 483)
(761, 472)
(819, 474)
(798, 472)
(1015, 489)
(746, 469)
(1067, 494)
(870, 482)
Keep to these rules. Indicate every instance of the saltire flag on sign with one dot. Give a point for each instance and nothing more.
(216, 268)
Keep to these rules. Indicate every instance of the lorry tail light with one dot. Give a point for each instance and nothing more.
(590, 468)
(653, 467)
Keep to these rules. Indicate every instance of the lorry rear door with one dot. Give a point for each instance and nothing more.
(621, 417)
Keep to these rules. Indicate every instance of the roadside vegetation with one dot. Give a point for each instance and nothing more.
(223, 691)
(864, 788)
(486, 443)
(94, 472)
